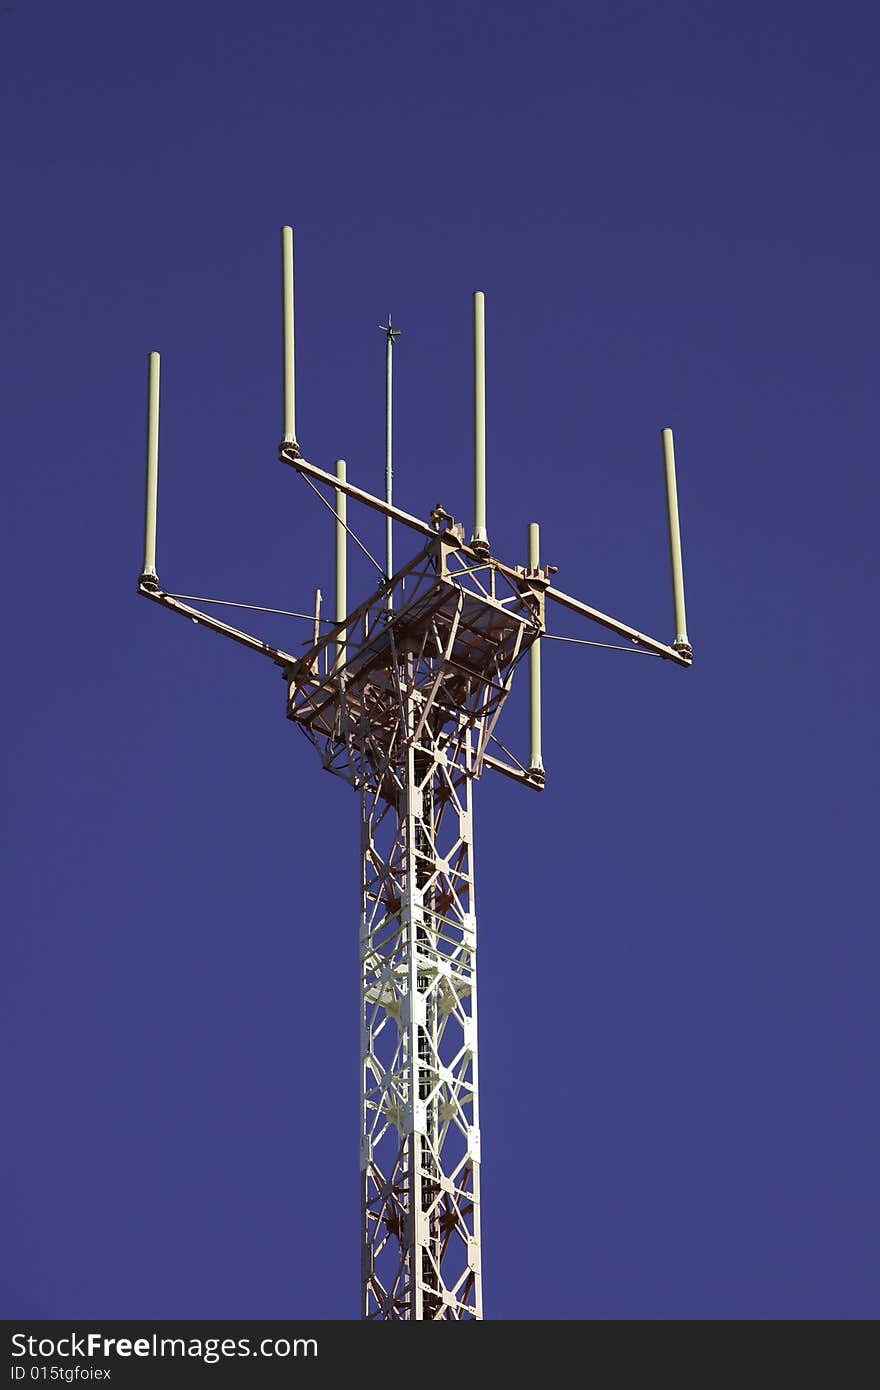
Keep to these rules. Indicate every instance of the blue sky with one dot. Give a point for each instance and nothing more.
(673, 212)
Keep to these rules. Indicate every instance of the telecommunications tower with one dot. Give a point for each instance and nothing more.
(401, 695)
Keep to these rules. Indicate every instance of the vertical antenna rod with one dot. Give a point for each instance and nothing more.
(287, 335)
(316, 630)
(480, 537)
(340, 597)
(681, 638)
(148, 574)
(535, 762)
(390, 335)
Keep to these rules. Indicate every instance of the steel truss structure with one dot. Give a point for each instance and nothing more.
(406, 717)
(401, 698)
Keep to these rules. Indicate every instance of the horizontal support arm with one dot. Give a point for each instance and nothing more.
(243, 638)
(310, 470)
(585, 611)
(527, 779)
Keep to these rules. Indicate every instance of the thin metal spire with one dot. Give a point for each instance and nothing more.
(390, 335)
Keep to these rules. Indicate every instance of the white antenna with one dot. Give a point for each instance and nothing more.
(288, 367)
(480, 538)
(536, 766)
(340, 596)
(681, 643)
(148, 574)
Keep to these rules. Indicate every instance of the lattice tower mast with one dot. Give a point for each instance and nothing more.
(401, 696)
